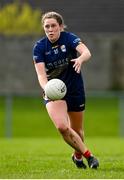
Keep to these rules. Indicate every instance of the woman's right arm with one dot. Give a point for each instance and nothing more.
(41, 74)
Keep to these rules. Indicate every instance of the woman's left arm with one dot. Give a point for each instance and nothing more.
(84, 56)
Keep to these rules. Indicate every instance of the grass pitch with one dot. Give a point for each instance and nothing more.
(48, 158)
(101, 118)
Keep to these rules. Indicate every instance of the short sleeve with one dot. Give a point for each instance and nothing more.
(74, 40)
(38, 53)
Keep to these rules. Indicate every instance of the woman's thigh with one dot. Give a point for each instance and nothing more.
(57, 111)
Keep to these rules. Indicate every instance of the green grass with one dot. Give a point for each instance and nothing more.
(102, 116)
(2, 116)
(30, 119)
(50, 158)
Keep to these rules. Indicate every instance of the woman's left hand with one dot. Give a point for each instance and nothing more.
(84, 56)
(77, 65)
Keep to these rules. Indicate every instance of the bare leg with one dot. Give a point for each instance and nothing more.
(76, 123)
(73, 139)
(57, 111)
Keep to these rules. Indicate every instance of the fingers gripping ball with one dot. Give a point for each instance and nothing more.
(55, 89)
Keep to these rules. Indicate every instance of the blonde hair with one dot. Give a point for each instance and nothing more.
(53, 15)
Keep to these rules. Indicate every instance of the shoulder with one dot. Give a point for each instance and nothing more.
(71, 36)
(40, 43)
(38, 50)
(66, 34)
(71, 39)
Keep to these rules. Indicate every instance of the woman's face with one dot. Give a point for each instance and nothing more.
(52, 29)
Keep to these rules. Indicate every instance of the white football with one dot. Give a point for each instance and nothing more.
(55, 89)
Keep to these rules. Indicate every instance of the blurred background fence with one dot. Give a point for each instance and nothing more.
(100, 25)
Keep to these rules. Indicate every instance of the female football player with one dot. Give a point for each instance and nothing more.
(55, 56)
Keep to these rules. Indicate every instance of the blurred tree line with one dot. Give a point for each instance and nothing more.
(20, 20)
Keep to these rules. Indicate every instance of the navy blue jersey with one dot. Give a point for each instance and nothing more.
(56, 57)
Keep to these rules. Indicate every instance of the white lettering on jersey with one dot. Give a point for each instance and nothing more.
(56, 51)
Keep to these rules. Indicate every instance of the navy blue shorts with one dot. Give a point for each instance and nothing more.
(74, 103)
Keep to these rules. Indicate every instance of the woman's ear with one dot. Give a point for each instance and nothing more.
(61, 27)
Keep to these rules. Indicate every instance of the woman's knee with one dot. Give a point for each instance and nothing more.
(62, 128)
(60, 123)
